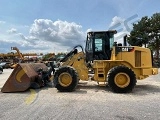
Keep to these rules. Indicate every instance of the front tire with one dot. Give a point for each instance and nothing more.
(65, 79)
(121, 79)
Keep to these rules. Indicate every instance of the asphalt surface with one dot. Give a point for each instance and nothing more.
(88, 102)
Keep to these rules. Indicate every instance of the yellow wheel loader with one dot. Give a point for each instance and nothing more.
(111, 64)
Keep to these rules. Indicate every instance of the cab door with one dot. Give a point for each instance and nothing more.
(89, 48)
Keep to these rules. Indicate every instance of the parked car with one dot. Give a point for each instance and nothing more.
(5, 65)
(1, 69)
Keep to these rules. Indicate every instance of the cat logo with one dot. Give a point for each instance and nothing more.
(127, 49)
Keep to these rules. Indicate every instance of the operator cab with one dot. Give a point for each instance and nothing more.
(99, 45)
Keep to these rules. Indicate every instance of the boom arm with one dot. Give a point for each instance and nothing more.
(20, 55)
(77, 61)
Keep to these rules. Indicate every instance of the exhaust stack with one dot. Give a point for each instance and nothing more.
(125, 40)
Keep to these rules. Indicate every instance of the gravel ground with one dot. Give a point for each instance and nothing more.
(88, 102)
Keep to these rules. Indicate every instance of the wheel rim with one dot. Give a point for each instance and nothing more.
(65, 79)
(122, 80)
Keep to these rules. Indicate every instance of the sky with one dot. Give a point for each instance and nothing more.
(46, 26)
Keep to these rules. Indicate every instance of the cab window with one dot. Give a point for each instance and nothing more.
(98, 44)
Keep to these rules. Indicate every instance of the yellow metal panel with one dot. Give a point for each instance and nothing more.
(77, 61)
(150, 71)
(147, 71)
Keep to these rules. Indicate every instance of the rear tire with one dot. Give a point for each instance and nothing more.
(65, 79)
(121, 79)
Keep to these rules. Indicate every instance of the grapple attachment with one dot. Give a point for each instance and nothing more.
(22, 77)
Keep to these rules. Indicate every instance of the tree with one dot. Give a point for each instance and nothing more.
(48, 56)
(60, 56)
(154, 42)
(146, 32)
(140, 34)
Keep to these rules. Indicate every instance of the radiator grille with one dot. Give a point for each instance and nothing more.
(137, 58)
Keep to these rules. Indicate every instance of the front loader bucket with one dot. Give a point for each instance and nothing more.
(22, 76)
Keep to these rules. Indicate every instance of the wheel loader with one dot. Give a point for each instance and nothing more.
(111, 64)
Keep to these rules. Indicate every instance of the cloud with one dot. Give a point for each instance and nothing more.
(60, 32)
(45, 35)
(2, 22)
(12, 31)
(122, 26)
(116, 20)
(118, 25)
(23, 45)
(88, 30)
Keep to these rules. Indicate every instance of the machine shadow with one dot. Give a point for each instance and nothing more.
(84, 87)
(95, 87)
(146, 89)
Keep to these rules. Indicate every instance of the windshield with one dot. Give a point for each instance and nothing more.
(98, 44)
(99, 41)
